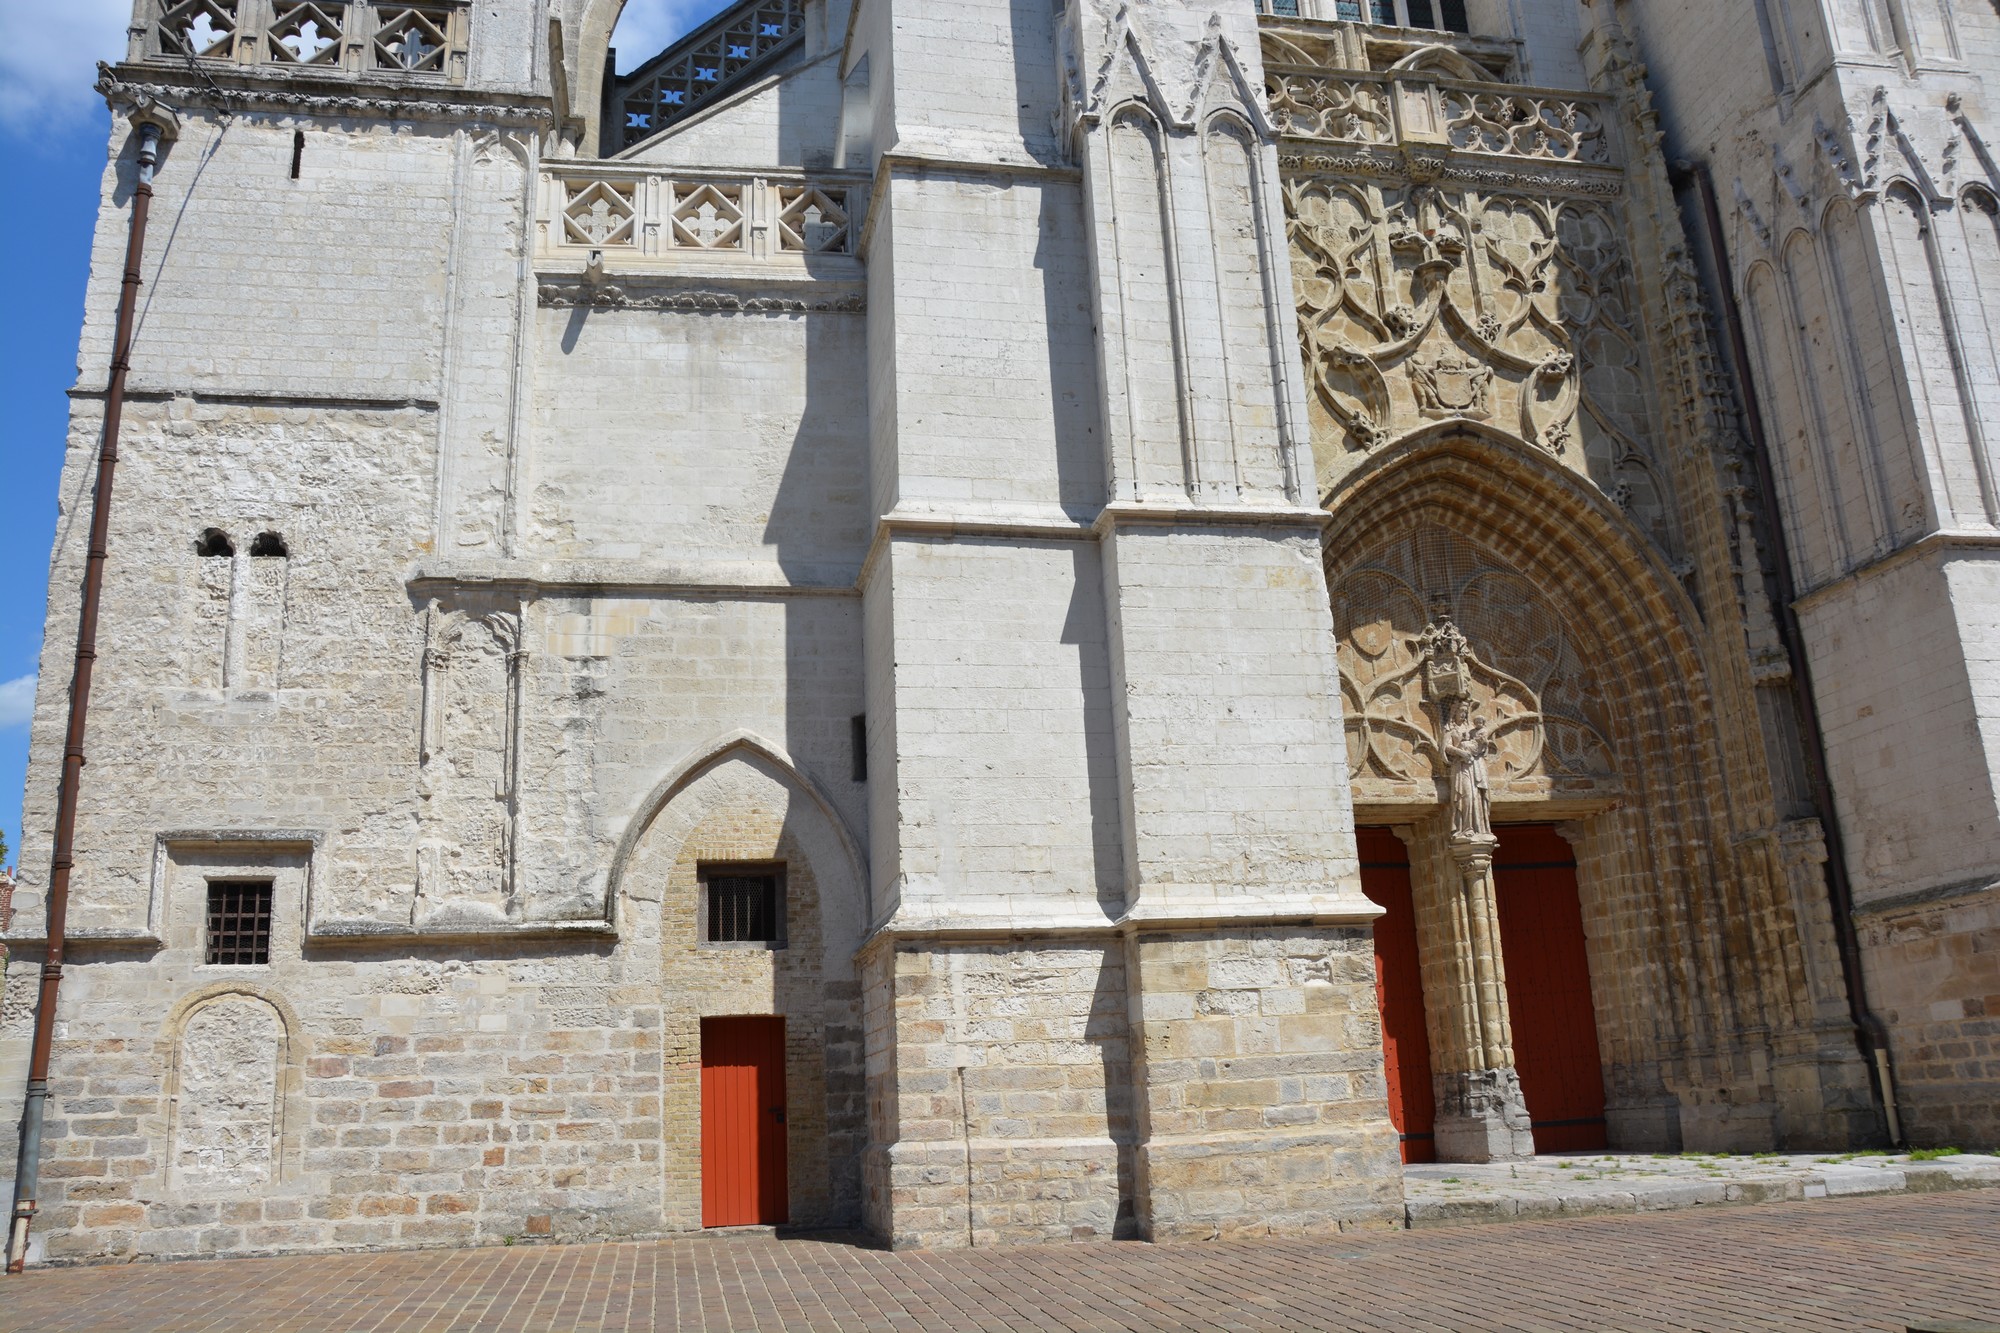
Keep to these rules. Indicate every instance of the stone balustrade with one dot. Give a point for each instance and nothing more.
(639, 213)
(1487, 119)
(426, 38)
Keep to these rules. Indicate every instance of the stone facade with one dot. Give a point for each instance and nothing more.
(1029, 479)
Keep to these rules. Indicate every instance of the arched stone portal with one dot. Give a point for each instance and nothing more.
(738, 812)
(1486, 598)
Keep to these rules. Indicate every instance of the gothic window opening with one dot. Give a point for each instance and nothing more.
(269, 545)
(214, 544)
(298, 151)
(859, 739)
(743, 905)
(239, 922)
(1437, 15)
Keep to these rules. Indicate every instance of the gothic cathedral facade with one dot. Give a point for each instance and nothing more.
(1019, 620)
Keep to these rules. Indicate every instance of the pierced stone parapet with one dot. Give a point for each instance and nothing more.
(1418, 107)
(397, 37)
(737, 42)
(635, 216)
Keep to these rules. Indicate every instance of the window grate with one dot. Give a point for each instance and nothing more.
(239, 921)
(743, 909)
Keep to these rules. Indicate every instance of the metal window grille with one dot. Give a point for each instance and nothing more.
(743, 909)
(239, 921)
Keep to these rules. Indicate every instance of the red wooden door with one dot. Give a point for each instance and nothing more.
(742, 1122)
(1548, 988)
(1399, 991)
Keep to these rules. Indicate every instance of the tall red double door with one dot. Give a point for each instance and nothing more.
(1548, 989)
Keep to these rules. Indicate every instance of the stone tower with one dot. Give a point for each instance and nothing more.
(802, 634)
(1849, 146)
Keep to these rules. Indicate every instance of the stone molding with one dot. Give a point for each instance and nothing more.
(697, 297)
(702, 759)
(1389, 164)
(616, 578)
(126, 87)
(1254, 913)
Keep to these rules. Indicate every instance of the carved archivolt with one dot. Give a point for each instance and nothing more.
(1512, 658)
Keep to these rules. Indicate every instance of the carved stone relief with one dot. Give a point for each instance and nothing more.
(1427, 302)
(469, 763)
(1459, 251)
(226, 1119)
(1430, 623)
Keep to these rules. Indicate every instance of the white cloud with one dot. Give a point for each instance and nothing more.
(17, 701)
(48, 59)
(648, 27)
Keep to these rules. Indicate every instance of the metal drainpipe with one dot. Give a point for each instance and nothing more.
(1873, 1032)
(26, 1179)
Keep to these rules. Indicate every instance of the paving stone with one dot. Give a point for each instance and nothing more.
(1931, 1263)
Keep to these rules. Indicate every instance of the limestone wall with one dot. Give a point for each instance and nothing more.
(1934, 973)
(1837, 137)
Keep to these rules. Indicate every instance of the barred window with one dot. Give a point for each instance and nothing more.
(239, 921)
(743, 905)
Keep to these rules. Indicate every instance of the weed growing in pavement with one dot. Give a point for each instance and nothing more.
(1930, 1154)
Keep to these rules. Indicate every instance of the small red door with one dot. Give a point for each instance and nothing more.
(1548, 988)
(742, 1122)
(1399, 991)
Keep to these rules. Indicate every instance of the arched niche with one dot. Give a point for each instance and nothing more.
(235, 1065)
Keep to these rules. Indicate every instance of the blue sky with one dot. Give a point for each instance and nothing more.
(52, 148)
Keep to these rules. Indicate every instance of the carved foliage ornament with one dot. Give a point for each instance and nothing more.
(1421, 302)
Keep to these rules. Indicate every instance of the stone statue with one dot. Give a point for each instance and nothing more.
(1465, 749)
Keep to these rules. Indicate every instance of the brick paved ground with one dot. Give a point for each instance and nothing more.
(1869, 1263)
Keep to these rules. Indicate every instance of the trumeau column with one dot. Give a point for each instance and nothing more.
(1481, 1115)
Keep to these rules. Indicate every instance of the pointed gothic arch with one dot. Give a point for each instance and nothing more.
(707, 758)
(1671, 902)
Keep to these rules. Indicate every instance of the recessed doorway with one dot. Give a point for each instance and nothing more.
(743, 1136)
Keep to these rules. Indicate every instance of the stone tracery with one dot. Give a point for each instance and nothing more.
(1511, 657)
